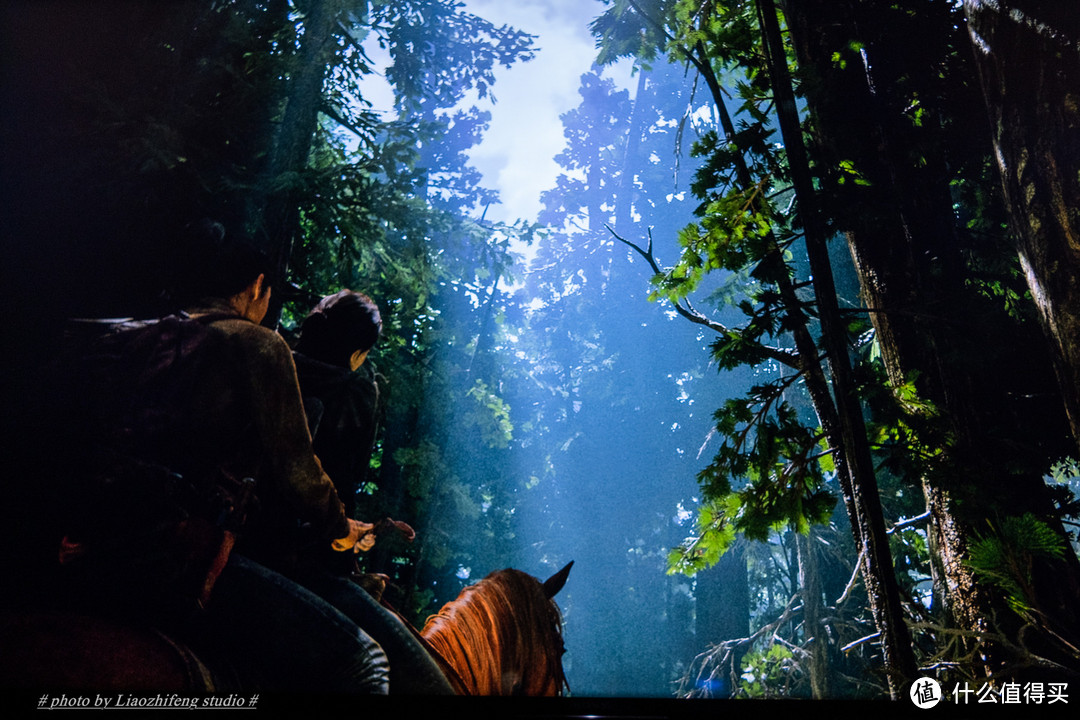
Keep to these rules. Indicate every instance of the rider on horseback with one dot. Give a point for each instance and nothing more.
(207, 400)
(296, 554)
(239, 416)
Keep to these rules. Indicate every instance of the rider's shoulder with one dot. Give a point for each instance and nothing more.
(254, 339)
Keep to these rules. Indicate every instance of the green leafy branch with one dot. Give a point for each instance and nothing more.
(783, 467)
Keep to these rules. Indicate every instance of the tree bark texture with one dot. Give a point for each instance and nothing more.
(1028, 57)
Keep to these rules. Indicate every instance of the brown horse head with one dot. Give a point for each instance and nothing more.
(503, 636)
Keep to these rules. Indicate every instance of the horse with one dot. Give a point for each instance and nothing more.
(502, 636)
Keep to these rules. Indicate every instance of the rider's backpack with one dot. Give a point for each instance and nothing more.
(137, 521)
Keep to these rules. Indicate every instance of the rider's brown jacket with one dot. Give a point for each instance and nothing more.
(256, 426)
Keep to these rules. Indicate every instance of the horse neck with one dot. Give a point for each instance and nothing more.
(478, 635)
(470, 637)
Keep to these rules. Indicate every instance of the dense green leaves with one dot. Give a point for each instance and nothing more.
(781, 470)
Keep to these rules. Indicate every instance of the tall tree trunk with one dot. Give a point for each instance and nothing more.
(913, 279)
(1028, 57)
(840, 416)
(865, 504)
(884, 248)
(821, 671)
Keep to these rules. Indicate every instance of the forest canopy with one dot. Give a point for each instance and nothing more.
(788, 363)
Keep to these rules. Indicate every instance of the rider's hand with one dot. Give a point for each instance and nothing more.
(360, 538)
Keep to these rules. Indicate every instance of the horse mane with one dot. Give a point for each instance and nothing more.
(501, 636)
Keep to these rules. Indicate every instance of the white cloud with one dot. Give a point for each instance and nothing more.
(517, 153)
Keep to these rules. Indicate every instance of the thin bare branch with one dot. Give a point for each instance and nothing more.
(685, 309)
(854, 577)
(860, 641)
(909, 522)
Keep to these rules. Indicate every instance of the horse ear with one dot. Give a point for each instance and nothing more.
(555, 583)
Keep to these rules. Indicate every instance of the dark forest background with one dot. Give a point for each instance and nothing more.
(789, 363)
